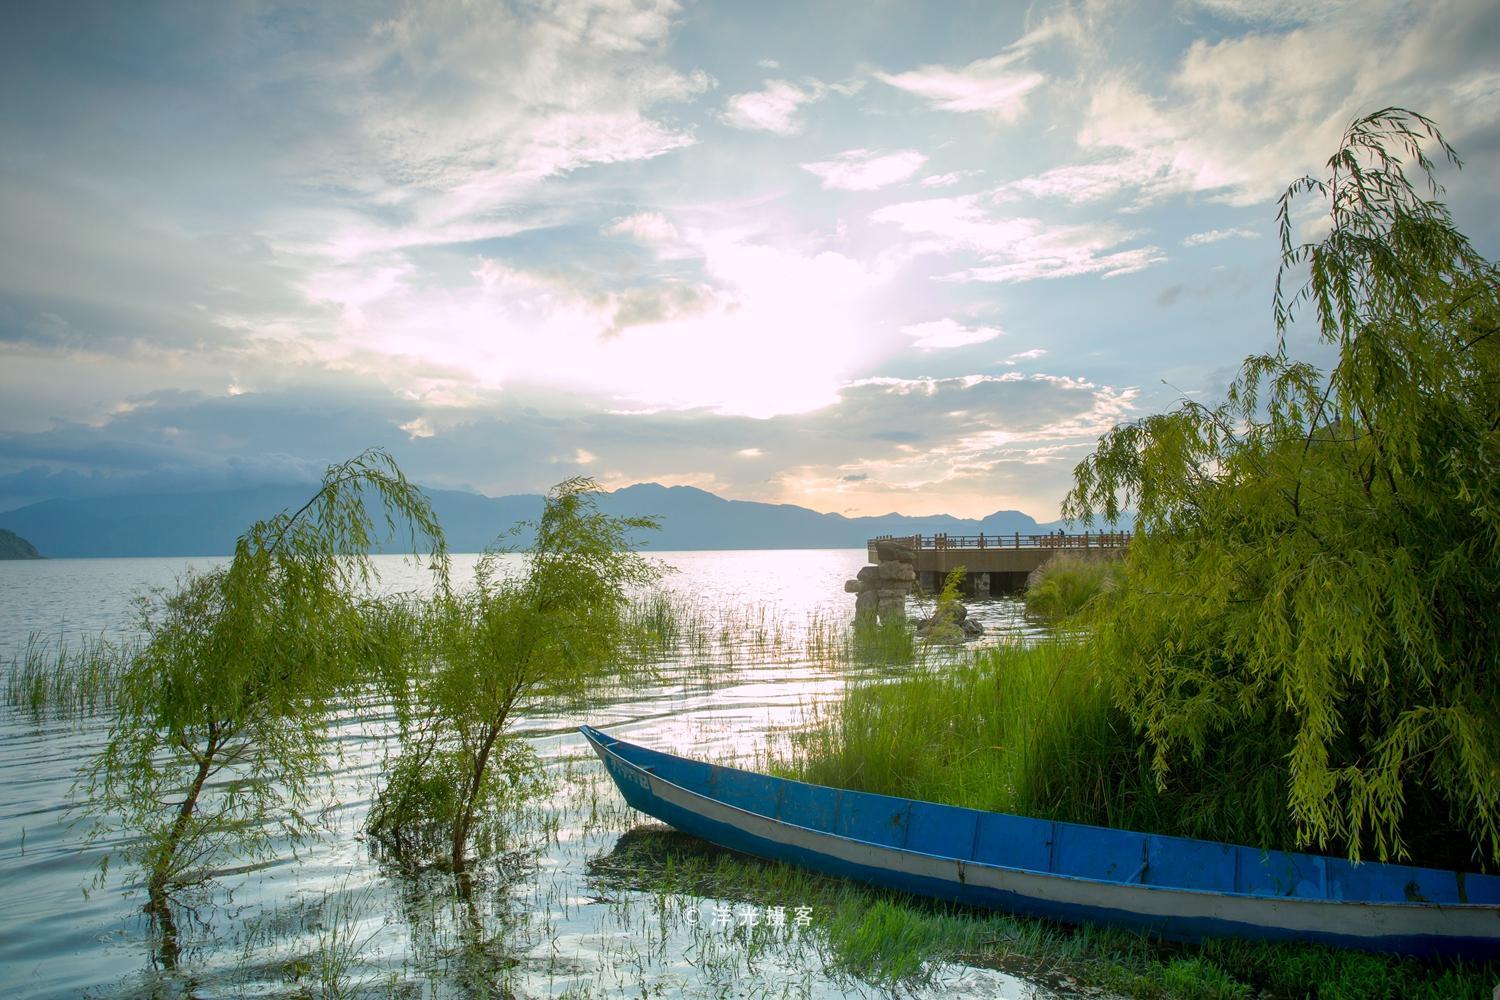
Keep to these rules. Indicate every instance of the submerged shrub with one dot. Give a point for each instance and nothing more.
(549, 633)
(216, 744)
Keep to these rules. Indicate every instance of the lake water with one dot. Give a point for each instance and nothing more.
(550, 918)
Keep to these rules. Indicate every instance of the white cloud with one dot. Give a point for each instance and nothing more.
(1031, 355)
(944, 333)
(992, 86)
(750, 453)
(772, 109)
(644, 227)
(1014, 248)
(459, 135)
(1215, 235)
(948, 179)
(866, 170)
(1086, 182)
(418, 428)
(1243, 115)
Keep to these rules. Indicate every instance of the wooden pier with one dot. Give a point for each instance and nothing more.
(996, 562)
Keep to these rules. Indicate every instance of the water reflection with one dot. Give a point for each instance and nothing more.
(580, 900)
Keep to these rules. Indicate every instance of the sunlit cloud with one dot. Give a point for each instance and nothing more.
(948, 179)
(644, 227)
(498, 238)
(774, 108)
(1015, 248)
(866, 170)
(993, 86)
(945, 333)
(1216, 235)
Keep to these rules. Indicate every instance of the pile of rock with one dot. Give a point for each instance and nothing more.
(882, 587)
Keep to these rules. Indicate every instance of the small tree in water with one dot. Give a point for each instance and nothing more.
(1318, 562)
(217, 742)
(552, 631)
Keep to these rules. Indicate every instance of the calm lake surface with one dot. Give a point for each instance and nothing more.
(551, 917)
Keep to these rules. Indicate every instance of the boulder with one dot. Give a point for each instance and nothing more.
(866, 605)
(854, 586)
(868, 573)
(889, 550)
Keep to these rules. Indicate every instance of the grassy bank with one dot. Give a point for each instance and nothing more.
(899, 943)
(1033, 730)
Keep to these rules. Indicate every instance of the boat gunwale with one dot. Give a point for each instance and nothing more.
(1385, 905)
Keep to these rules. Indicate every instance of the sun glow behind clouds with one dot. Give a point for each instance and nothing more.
(659, 230)
(770, 329)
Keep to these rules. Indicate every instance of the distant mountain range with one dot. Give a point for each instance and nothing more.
(207, 524)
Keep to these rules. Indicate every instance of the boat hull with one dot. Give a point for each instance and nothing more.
(1427, 930)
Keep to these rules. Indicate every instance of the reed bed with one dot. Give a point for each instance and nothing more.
(1065, 584)
(59, 680)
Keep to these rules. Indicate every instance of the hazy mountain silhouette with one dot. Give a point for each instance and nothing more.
(13, 546)
(202, 524)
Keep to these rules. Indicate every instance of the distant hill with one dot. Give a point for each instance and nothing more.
(13, 546)
(206, 524)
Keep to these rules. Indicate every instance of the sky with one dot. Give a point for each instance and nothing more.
(861, 257)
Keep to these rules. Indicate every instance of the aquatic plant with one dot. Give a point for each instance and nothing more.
(550, 632)
(944, 625)
(1317, 558)
(1063, 585)
(59, 680)
(216, 743)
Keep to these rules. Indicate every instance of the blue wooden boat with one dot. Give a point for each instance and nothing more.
(1174, 887)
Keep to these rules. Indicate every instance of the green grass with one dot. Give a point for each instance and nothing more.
(1010, 729)
(898, 942)
(1063, 585)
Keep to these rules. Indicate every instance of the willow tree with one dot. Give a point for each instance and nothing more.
(1317, 564)
(217, 742)
(553, 630)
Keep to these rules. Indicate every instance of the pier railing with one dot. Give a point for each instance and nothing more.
(1014, 540)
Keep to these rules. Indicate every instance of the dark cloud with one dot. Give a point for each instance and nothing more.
(513, 442)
